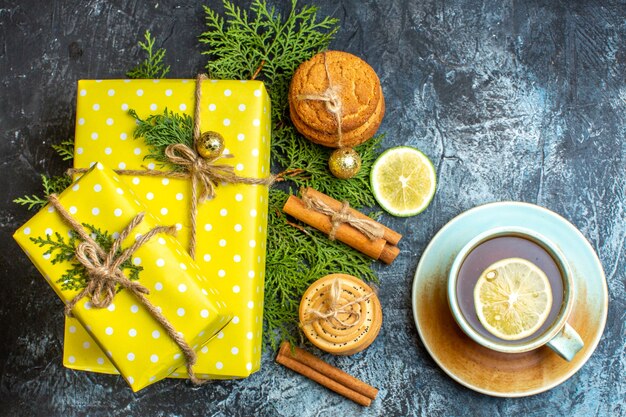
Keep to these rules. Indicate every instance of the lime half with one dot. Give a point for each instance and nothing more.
(403, 181)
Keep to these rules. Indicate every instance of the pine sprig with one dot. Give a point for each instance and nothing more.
(75, 277)
(306, 164)
(152, 66)
(50, 185)
(161, 130)
(32, 202)
(65, 149)
(55, 184)
(264, 45)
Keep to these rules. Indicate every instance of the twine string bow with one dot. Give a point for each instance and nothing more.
(335, 308)
(104, 273)
(205, 174)
(332, 100)
(104, 276)
(369, 228)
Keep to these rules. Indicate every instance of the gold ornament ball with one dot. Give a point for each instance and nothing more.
(344, 163)
(210, 145)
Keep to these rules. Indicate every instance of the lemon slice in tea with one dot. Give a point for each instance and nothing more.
(513, 298)
(403, 181)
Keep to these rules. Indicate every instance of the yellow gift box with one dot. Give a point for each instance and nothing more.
(231, 228)
(133, 340)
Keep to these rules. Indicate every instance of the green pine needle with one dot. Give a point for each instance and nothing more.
(65, 149)
(161, 130)
(55, 184)
(263, 45)
(152, 66)
(32, 202)
(51, 185)
(306, 164)
(75, 277)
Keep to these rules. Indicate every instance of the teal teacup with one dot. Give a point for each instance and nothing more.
(501, 243)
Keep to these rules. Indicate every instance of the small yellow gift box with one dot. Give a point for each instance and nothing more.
(231, 228)
(134, 341)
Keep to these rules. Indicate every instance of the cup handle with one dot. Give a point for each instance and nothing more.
(567, 343)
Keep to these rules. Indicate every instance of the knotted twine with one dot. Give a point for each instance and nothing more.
(104, 273)
(332, 99)
(206, 173)
(371, 229)
(334, 309)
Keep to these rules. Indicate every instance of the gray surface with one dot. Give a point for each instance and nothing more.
(512, 101)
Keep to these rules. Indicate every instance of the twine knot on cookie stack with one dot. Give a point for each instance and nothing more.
(340, 314)
(335, 100)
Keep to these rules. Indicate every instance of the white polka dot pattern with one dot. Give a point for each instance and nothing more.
(240, 228)
(124, 328)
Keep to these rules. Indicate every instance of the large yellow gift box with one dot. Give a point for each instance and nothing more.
(231, 228)
(134, 341)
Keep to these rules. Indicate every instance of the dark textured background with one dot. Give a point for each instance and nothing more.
(513, 100)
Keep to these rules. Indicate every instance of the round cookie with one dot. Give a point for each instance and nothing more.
(349, 138)
(356, 323)
(354, 81)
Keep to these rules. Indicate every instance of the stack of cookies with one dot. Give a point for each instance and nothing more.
(335, 100)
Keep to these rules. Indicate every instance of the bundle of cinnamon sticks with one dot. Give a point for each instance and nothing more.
(381, 248)
(314, 368)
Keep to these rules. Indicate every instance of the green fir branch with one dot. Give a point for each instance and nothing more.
(161, 130)
(261, 44)
(65, 149)
(55, 184)
(51, 185)
(32, 202)
(62, 251)
(152, 66)
(306, 164)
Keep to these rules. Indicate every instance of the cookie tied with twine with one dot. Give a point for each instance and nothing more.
(340, 314)
(105, 274)
(200, 164)
(335, 100)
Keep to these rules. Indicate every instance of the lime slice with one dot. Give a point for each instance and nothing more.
(512, 298)
(403, 181)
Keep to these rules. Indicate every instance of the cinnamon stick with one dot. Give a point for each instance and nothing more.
(326, 375)
(346, 234)
(388, 254)
(390, 235)
(338, 375)
(378, 249)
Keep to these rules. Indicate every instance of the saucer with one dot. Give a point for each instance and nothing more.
(481, 369)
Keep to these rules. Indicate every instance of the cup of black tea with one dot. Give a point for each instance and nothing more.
(510, 289)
